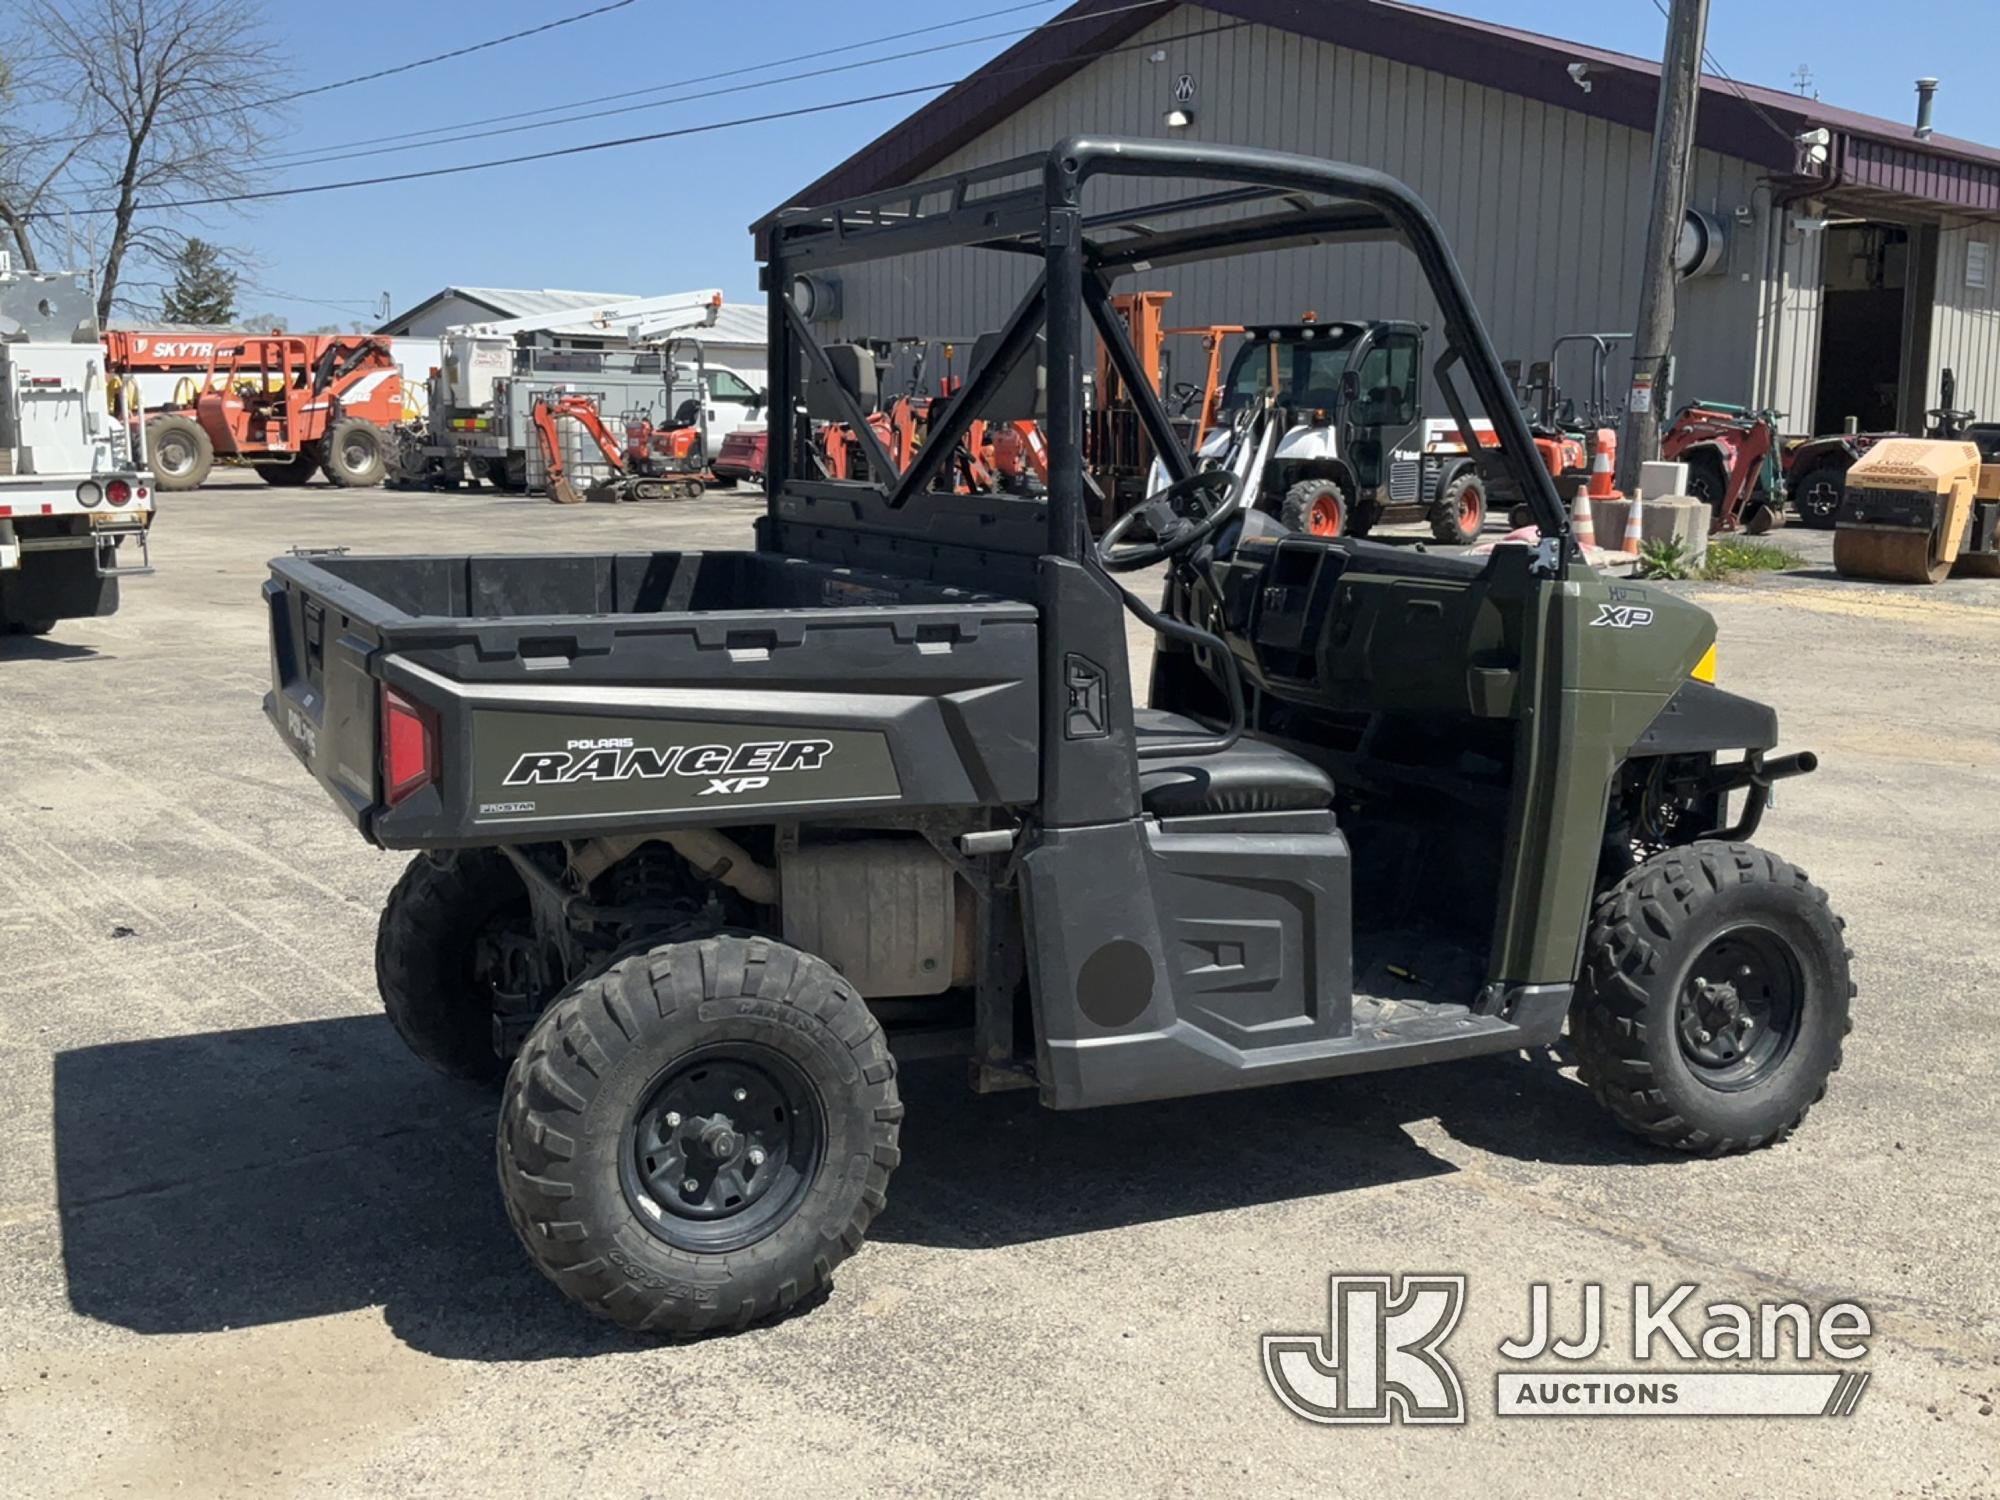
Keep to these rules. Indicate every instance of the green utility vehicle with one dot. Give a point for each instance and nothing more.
(707, 842)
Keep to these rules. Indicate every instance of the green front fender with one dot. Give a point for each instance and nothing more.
(1601, 658)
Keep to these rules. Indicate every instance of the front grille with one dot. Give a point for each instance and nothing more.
(1403, 476)
(1864, 506)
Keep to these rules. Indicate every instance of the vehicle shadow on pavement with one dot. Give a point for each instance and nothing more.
(41, 648)
(240, 1178)
(1003, 1170)
(259, 1176)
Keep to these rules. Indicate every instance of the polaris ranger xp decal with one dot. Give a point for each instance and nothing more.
(533, 766)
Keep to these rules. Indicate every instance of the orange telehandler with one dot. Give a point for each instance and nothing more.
(288, 405)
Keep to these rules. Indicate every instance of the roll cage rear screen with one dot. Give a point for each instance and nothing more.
(1296, 201)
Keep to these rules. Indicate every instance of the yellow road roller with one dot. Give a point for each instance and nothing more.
(1917, 510)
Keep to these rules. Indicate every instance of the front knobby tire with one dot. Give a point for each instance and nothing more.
(431, 955)
(1681, 953)
(628, 1124)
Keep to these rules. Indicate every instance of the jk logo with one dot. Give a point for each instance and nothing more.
(1379, 1360)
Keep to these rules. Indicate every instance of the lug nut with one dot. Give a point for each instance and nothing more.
(740, 1095)
(673, 1119)
(1703, 1037)
(756, 1156)
(690, 1186)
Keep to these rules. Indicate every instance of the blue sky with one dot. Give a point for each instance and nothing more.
(672, 215)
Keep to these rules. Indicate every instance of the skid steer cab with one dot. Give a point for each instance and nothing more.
(709, 845)
(1350, 447)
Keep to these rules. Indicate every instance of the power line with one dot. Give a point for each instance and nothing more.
(1716, 67)
(738, 88)
(326, 88)
(631, 140)
(334, 304)
(412, 136)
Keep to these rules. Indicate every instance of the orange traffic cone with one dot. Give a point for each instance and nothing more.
(1581, 524)
(1634, 532)
(1600, 474)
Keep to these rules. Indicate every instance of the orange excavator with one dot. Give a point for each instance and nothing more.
(655, 463)
(1010, 456)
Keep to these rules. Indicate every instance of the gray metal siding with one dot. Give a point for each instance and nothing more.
(1787, 330)
(1965, 321)
(1545, 207)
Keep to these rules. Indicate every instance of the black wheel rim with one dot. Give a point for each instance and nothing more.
(724, 1147)
(1739, 1009)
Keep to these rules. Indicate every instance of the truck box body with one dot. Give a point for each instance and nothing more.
(564, 696)
(72, 489)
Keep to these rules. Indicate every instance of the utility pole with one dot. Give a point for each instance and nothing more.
(1673, 153)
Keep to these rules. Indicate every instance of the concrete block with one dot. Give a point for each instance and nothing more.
(1674, 516)
(1662, 479)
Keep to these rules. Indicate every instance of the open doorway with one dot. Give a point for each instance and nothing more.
(1861, 326)
(1874, 331)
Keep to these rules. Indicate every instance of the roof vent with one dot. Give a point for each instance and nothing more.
(1926, 93)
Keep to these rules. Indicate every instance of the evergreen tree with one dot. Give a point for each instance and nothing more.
(204, 290)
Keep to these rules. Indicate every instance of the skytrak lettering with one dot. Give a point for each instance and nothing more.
(621, 760)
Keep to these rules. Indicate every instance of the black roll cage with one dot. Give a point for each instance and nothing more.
(989, 208)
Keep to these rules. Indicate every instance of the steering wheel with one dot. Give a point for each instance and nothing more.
(1180, 518)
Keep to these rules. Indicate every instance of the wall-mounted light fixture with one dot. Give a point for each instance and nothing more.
(1579, 74)
(1178, 118)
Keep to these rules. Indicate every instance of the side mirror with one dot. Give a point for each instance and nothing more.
(763, 397)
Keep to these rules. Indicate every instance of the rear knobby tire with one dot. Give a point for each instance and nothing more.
(1318, 507)
(1460, 512)
(427, 957)
(583, 1104)
(1816, 494)
(1650, 937)
(1707, 482)
(178, 452)
(356, 454)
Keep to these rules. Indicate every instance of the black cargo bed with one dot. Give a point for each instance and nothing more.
(924, 694)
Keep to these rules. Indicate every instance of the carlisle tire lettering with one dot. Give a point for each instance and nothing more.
(744, 767)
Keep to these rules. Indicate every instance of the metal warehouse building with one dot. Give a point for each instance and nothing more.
(1856, 258)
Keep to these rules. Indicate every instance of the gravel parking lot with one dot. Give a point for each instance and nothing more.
(247, 1244)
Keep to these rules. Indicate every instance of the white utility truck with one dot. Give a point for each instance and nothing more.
(73, 483)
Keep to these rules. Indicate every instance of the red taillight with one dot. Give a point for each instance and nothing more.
(118, 492)
(409, 747)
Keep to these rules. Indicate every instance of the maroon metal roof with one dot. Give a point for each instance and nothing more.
(1747, 121)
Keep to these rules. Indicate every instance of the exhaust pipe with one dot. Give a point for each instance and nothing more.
(1926, 94)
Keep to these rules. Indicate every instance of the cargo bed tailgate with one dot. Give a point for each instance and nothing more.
(323, 698)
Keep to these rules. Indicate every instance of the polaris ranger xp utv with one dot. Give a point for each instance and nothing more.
(707, 841)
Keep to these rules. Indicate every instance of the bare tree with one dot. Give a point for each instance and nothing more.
(33, 155)
(176, 99)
